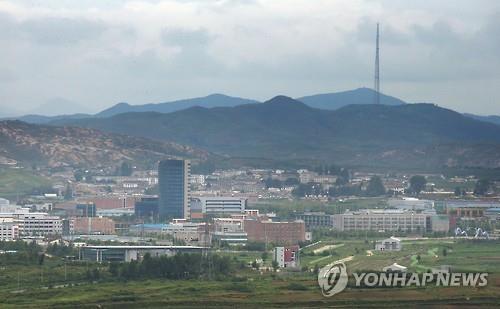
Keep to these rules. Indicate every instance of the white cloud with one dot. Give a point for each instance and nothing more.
(97, 53)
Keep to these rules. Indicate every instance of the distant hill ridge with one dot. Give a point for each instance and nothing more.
(327, 101)
(286, 128)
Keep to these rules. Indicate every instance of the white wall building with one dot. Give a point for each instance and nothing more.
(229, 230)
(411, 203)
(219, 204)
(381, 220)
(34, 223)
(389, 244)
(9, 230)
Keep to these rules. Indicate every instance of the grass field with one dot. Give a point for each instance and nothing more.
(287, 208)
(251, 288)
(14, 182)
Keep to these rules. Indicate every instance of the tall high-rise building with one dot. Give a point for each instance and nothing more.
(173, 182)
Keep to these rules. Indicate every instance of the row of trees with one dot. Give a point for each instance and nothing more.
(375, 187)
(179, 266)
(276, 183)
(26, 253)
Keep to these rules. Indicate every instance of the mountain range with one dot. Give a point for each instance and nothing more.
(328, 101)
(361, 134)
(336, 100)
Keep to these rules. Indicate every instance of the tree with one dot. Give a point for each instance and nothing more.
(417, 184)
(291, 182)
(125, 169)
(316, 269)
(264, 255)
(275, 265)
(375, 187)
(458, 191)
(273, 183)
(68, 193)
(78, 175)
(255, 265)
(482, 187)
(114, 269)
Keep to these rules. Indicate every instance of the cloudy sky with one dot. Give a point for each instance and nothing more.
(90, 54)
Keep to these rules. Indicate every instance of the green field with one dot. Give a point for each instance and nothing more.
(18, 182)
(287, 208)
(63, 286)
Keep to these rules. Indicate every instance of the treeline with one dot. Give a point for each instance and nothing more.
(20, 253)
(179, 266)
(61, 250)
(374, 187)
(276, 183)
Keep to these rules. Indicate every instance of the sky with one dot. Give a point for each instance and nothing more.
(87, 55)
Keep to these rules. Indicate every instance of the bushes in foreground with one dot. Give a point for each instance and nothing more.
(180, 266)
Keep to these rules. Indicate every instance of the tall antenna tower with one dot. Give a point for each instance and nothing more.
(377, 73)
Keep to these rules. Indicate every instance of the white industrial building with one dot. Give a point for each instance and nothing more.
(229, 230)
(188, 232)
(9, 229)
(219, 204)
(389, 244)
(34, 223)
(381, 220)
(411, 203)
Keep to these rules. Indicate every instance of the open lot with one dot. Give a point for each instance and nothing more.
(251, 288)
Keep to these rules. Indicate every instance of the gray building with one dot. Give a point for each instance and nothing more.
(316, 220)
(219, 204)
(381, 220)
(130, 253)
(173, 182)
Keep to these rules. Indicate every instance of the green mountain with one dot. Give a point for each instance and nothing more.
(286, 129)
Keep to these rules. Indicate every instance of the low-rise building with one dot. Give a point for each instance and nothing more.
(9, 229)
(316, 220)
(468, 209)
(267, 231)
(410, 203)
(93, 225)
(493, 213)
(38, 223)
(287, 257)
(389, 244)
(229, 230)
(131, 253)
(117, 212)
(381, 220)
(218, 204)
(188, 232)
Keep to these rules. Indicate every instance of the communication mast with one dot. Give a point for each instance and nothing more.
(377, 73)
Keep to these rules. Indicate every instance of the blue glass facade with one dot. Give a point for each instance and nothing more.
(173, 187)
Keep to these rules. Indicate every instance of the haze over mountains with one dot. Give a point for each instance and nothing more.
(328, 101)
(411, 134)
